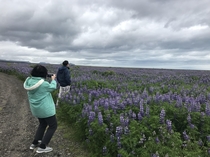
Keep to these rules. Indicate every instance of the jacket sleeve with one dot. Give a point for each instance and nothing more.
(50, 86)
(57, 76)
(67, 77)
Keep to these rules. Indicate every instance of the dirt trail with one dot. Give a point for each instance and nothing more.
(17, 125)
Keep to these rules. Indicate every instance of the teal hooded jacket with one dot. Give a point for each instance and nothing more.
(40, 98)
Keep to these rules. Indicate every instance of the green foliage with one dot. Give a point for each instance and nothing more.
(92, 84)
(146, 136)
(105, 73)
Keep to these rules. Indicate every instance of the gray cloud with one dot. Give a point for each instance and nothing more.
(120, 32)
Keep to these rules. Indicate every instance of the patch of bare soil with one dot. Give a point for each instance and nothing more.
(18, 126)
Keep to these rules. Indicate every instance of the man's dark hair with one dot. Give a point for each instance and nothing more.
(65, 63)
(39, 71)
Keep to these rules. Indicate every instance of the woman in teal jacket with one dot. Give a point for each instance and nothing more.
(42, 106)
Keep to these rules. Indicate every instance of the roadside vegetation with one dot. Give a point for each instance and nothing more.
(131, 112)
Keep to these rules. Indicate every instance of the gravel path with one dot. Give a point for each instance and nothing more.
(18, 126)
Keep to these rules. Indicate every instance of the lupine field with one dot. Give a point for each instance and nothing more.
(135, 112)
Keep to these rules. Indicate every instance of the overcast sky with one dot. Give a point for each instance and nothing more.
(172, 34)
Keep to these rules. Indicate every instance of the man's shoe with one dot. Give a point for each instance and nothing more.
(33, 146)
(46, 150)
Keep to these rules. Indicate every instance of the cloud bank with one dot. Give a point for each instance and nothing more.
(135, 33)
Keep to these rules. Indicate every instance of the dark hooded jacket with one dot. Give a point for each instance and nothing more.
(63, 76)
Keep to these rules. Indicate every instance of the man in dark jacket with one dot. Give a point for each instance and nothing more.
(64, 79)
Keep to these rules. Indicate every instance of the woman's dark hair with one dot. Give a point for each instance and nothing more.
(39, 71)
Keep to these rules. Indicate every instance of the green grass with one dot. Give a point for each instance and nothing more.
(76, 147)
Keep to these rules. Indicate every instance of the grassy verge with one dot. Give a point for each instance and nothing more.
(75, 147)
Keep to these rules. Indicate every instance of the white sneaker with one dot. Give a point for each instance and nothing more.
(33, 146)
(46, 150)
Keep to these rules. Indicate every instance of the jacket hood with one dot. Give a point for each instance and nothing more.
(32, 83)
(62, 69)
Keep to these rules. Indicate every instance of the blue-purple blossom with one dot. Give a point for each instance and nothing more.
(108, 117)
(192, 126)
(162, 116)
(155, 155)
(189, 118)
(111, 127)
(147, 111)
(127, 121)
(90, 131)
(186, 137)
(207, 111)
(139, 116)
(104, 150)
(208, 138)
(200, 142)
(107, 130)
(126, 130)
(157, 140)
(169, 125)
(122, 120)
(119, 131)
(119, 144)
(91, 117)
(112, 138)
(100, 118)
(106, 105)
(141, 108)
(133, 115)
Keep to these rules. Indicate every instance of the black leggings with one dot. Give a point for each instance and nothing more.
(51, 122)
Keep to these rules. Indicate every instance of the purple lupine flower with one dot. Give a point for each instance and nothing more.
(142, 139)
(90, 131)
(200, 143)
(192, 126)
(89, 98)
(151, 89)
(179, 102)
(189, 118)
(108, 116)
(157, 140)
(169, 125)
(208, 138)
(112, 138)
(119, 144)
(202, 114)
(147, 111)
(186, 137)
(133, 115)
(209, 151)
(96, 108)
(207, 109)
(118, 131)
(91, 117)
(107, 131)
(122, 120)
(198, 107)
(139, 116)
(126, 130)
(111, 127)
(104, 150)
(141, 108)
(127, 121)
(130, 113)
(162, 116)
(100, 118)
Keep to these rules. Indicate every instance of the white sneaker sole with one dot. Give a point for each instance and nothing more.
(44, 151)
